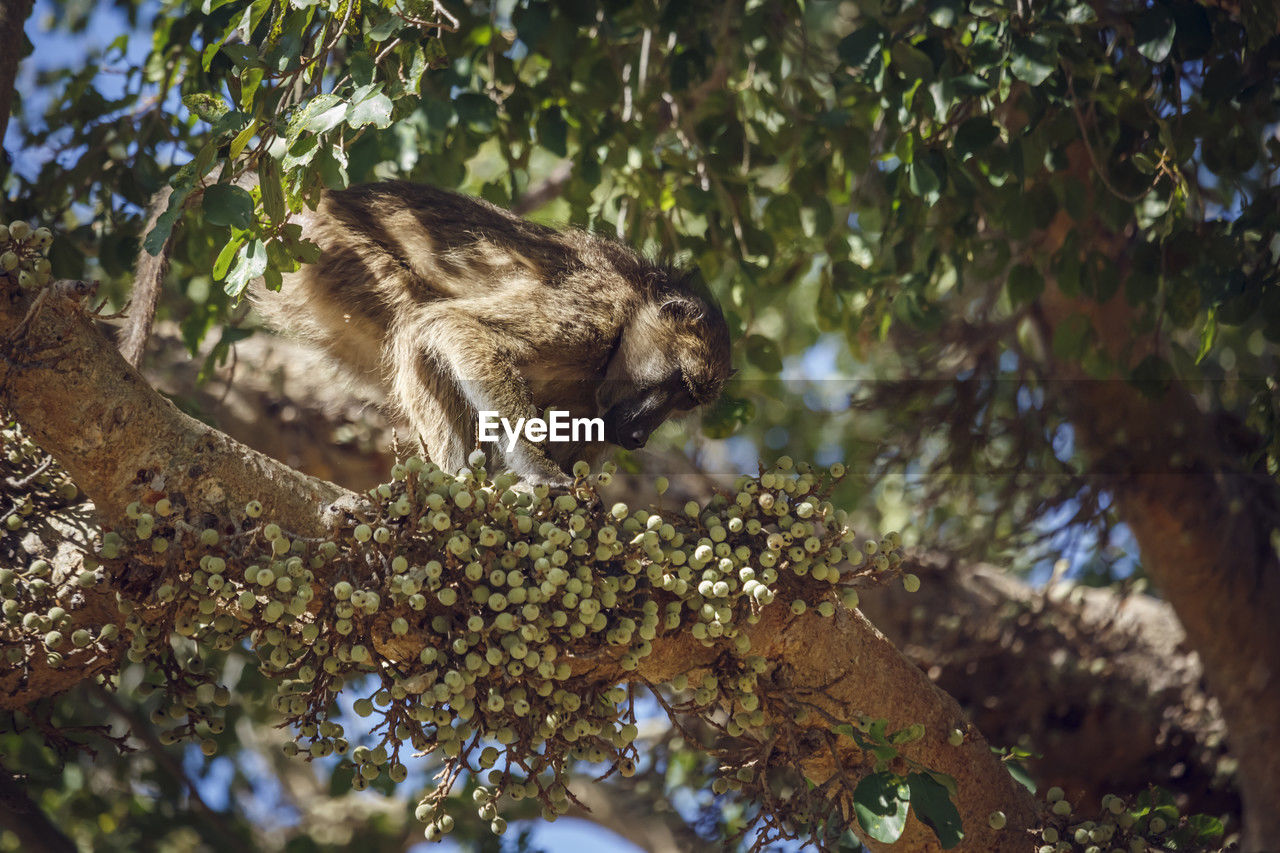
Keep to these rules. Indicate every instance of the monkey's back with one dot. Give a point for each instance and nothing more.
(389, 247)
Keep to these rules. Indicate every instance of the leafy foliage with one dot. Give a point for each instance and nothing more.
(902, 183)
(948, 135)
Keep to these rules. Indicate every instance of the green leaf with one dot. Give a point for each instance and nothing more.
(1071, 338)
(922, 180)
(228, 253)
(969, 85)
(1144, 163)
(159, 235)
(241, 56)
(884, 754)
(225, 204)
(269, 180)
(553, 131)
(382, 30)
(1208, 334)
(932, 804)
(303, 251)
(881, 801)
(974, 134)
(1206, 827)
(1154, 33)
(271, 278)
(251, 18)
(1080, 13)
(911, 733)
(1025, 284)
(1033, 59)
(333, 168)
(477, 111)
(300, 153)
(763, 353)
(242, 139)
(912, 63)
(375, 110)
(862, 45)
(1020, 775)
(251, 263)
(322, 113)
(876, 729)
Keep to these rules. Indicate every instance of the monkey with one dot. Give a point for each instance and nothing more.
(453, 306)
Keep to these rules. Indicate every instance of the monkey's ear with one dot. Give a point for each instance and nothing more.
(681, 310)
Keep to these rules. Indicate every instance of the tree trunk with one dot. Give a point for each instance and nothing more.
(13, 14)
(1202, 517)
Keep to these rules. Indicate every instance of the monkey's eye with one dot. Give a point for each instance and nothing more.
(685, 398)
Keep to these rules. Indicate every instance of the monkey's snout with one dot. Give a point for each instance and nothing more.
(634, 439)
(628, 433)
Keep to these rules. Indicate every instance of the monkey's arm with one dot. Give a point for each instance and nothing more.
(448, 365)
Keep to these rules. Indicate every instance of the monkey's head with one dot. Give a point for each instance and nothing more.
(673, 356)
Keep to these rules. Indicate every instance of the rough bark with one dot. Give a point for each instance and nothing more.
(1201, 514)
(118, 438)
(1101, 685)
(321, 421)
(861, 671)
(1204, 530)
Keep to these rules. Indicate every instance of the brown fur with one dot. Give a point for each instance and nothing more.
(453, 305)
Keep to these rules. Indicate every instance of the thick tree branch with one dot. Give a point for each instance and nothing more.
(850, 668)
(1100, 683)
(632, 816)
(119, 439)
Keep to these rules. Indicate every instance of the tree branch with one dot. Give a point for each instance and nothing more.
(1203, 522)
(119, 439)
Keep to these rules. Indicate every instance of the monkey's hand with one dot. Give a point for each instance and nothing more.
(532, 466)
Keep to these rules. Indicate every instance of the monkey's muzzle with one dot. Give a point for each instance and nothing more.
(634, 440)
(630, 436)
